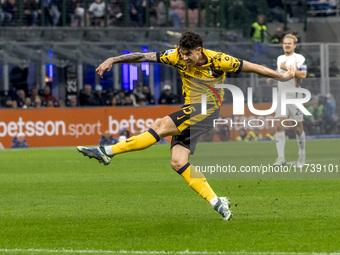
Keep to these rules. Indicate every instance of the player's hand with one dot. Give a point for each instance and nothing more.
(289, 74)
(104, 67)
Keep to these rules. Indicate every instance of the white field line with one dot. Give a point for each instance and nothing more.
(315, 161)
(3, 250)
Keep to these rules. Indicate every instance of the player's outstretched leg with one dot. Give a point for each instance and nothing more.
(198, 183)
(104, 154)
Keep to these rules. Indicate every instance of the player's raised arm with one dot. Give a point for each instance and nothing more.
(267, 72)
(128, 58)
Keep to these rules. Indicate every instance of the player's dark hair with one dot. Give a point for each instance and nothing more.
(190, 40)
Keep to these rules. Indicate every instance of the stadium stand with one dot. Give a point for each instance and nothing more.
(64, 56)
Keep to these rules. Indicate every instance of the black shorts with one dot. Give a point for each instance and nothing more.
(192, 124)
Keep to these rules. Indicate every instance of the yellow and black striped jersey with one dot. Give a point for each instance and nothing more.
(201, 79)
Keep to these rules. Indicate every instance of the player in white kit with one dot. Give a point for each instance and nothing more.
(290, 58)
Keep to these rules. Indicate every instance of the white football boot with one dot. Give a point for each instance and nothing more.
(97, 153)
(279, 162)
(222, 207)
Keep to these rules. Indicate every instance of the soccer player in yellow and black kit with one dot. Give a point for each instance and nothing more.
(200, 70)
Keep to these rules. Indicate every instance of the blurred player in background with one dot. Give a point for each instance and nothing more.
(185, 126)
(290, 58)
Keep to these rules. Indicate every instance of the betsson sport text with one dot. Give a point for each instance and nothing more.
(60, 128)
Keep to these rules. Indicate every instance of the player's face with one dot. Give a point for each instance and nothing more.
(191, 57)
(288, 46)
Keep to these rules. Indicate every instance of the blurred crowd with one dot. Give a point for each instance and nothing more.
(322, 120)
(87, 97)
(97, 12)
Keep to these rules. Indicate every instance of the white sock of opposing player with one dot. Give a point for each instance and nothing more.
(301, 141)
(280, 144)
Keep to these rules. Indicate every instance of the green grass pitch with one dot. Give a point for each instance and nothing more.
(55, 201)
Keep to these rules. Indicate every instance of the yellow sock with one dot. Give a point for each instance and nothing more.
(200, 184)
(138, 142)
